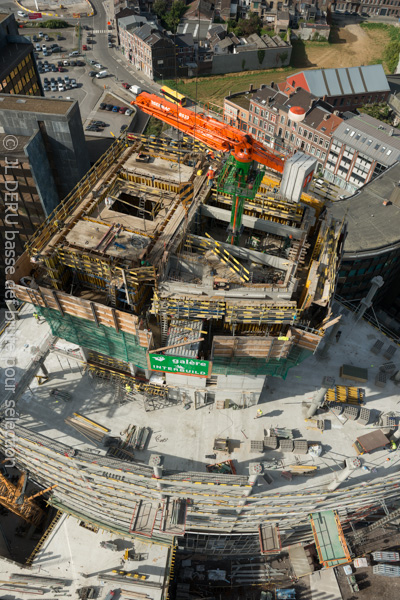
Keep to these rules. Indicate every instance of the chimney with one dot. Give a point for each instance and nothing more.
(251, 87)
(391, 132)
(326, 117)
(272, 84)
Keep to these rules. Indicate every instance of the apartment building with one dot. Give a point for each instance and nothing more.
(370, 7)
(18, 71)
(345, 88)
(361, 149)
(264, 114)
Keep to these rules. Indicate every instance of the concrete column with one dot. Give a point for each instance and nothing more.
(329, 338)
(44, 370)
(352, 464)
(12, 309)
(376, 283)
(255, 469)
(318, 400)
(132, 368)
(156, 461)
(84, 352)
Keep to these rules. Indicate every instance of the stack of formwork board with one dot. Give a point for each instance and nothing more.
(246, 346)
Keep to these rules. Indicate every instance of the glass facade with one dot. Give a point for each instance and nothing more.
(22, 79)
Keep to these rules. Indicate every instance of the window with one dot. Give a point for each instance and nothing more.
(300, 131)
(310, 134)
(282, 119)
(321, 141)
(286, 135)
(312, 150)
(271, 129)
(316, 139)
(257, 110)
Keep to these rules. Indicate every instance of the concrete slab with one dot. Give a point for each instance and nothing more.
(323, 584)
(73, 553)
(184, 436)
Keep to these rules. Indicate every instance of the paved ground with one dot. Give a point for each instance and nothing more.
(66, 8)
(73, 553)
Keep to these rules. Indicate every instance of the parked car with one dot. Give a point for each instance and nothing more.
(61, 88)
(92, 73)
(53, 68)
(103, 106)
(128, 112)
(34, 38)
(126, 86)
(99, 123)
(44, 47)
(40, 34)
(66, 63)
(109, 107)
(80, 63)
(60, 69)
(110, 44)
(21, 14)
(53, 87)
(98, 66)
(60, 79)
(92, 128)
(46, 37)
(122, 110)
(123, 127)
(141, 157)
(115, 109)
(59, 37)
(46, 88)
(84, 47)
(72, 63)
(74, 53)
(46, 80)
(92, 62)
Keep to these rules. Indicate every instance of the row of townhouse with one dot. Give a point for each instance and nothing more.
(264, 114)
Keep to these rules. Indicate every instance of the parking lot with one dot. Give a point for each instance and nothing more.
(112, 113)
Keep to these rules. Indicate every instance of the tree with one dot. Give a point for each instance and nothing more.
(173, 17)
(245, 27)
(382, 111)
(160, 8)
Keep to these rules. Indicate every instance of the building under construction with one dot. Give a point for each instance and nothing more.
(136, 271)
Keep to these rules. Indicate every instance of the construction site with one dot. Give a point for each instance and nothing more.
(187, 389)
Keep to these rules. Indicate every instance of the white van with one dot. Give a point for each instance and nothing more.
(135, 89)
(318, 183)
(101, 74)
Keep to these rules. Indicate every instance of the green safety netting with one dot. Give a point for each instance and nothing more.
(257, 366)
(105, 340)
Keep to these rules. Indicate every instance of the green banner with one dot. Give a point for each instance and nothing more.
(179, 364)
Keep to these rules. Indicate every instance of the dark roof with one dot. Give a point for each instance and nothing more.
(143, 32)
(370, 224)
(199, 9)
(185, 40)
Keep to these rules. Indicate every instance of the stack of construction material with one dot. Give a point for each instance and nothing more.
(135, 595)
(344, 393)
(89, 429)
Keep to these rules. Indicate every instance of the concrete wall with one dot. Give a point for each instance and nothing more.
(41, 173)
(65, 134)
(309, 33)
(271, 58)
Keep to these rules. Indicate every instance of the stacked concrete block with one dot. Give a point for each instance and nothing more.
(350, 412)
(380, 379)
(335, 408)
(256, 446)
(286, 445)
(270, 442)
(388, 367)
(388, 422)
(300, 447)
(390, 352)
(364, 416)
(377, 347)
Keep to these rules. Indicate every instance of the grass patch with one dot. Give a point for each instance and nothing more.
(215, 89)
(155, 127)
(392, 49)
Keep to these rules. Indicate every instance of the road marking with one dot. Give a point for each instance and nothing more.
(100, 31)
